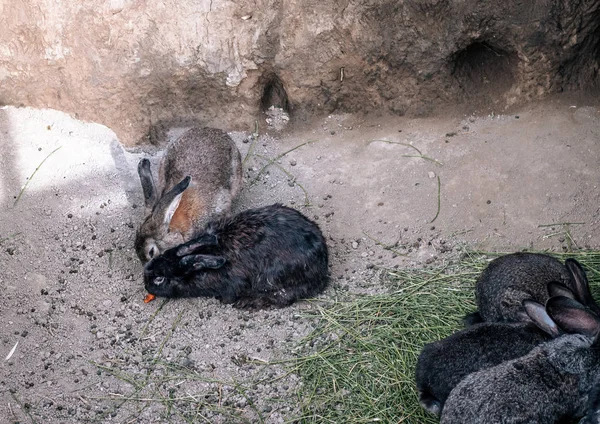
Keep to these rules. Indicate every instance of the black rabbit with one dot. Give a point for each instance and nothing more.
(509, 280)
(444, 363)
(269, 256)
(552, 383)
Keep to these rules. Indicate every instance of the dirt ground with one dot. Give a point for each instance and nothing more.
(86, 347)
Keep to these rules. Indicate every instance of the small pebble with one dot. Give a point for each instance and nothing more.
(355, 245)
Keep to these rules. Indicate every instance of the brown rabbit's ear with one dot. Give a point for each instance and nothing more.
(573, 317)
(148, 186)
(558, 289)
(165, 208)
(540, 317)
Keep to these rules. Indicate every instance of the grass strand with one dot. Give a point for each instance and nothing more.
(31, 177)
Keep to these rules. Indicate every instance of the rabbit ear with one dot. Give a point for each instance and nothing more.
(167, 205)
(573, 317)
(148, 186)
(558, 289)
(205, 240)
(580, 284)
(199, 262)
(540, 317)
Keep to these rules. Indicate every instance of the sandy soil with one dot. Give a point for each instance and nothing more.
(89, 350)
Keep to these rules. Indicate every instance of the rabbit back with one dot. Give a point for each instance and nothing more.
(444, 363)
(593, 410)
(213, 161)
(278, 254)
(535, 388)
(509, 280)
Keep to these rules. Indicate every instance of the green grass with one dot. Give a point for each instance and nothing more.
(358, 364)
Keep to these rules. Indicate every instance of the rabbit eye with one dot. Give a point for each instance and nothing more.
(159, 280)
(151, 252)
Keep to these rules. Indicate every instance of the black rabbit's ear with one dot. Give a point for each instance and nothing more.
(205, 240)
(540, 317)
(580, 283)
(572, 316)
(199, 262)
(148, 186)
(558, 289)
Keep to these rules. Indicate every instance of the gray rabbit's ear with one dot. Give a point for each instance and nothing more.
(580, 283)
(573, 317)
(540, 317)
(148, 186)
(205, 240)
(199, 262)
(558, 289)
(165, 208)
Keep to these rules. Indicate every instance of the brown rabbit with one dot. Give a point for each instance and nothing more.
(177, 210)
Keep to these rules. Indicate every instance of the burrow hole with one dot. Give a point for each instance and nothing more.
(274, 94)
(484, 71)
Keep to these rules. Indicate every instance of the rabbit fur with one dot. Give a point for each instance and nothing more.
(444, 363)
(509, 280)
(550, 384)
(593, 413)
(269, 256)
(210, 157)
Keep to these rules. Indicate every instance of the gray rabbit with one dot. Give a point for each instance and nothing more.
(593, 414)
(509, 280)
(444, 363)
(550, 384)
(210, 157)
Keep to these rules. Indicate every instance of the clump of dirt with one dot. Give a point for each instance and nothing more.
(386, 191)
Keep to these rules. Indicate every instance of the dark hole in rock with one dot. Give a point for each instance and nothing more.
(483, 71)
(274, 94)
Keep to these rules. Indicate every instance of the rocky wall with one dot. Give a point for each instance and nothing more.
(138, 66)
